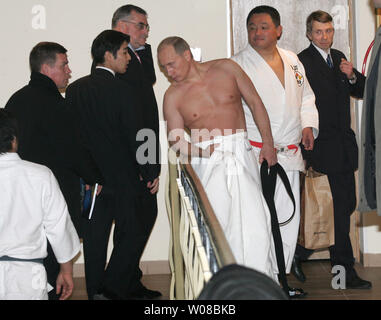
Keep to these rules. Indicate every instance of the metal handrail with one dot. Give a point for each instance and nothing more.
(223, 253)
(185, 187)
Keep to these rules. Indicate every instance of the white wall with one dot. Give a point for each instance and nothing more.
(75, 23)
(365, 27)
(203, 23)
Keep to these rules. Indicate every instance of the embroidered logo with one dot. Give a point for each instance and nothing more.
(298, 76)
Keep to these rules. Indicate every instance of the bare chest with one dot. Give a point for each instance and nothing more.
(208, 99)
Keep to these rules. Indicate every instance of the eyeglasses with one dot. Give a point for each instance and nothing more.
(139, 25)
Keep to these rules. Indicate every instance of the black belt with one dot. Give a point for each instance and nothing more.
(268, 189)
(7, 258)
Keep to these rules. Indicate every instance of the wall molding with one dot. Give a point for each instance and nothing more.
(370, 259)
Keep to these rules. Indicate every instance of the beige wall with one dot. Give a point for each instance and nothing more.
(204, 23)
(75, 24)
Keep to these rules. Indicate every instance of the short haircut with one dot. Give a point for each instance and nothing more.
(319, 16)
(179, 44)
(8, 130)
(272, 12)
(124, 13)
(108, 40)
(44, 52)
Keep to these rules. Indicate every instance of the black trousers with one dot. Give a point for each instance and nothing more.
(344, 203)
(122, 274)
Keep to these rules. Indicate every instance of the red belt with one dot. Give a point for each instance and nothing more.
(260, 145)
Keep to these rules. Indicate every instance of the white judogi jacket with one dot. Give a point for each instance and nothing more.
(232, 183)
(290, 109)
(32, 210)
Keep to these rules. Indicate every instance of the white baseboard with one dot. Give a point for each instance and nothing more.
(371, 259)
(147, 267)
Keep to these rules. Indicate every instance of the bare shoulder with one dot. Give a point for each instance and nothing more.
(225, 65)
(171, 97)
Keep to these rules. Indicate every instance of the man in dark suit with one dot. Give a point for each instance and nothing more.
(109, 119)
(140, 75)
(47, 135)
(333, 80)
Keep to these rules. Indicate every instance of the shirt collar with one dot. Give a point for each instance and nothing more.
(137, 49)
(100, 67)
(322, 52)
(9, 156)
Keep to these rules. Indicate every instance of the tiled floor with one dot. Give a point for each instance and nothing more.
(318, 284)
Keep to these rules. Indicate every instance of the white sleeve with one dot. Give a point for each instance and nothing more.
(58, 226)
(308, 113)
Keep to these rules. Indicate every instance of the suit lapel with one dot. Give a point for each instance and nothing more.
(321, 64)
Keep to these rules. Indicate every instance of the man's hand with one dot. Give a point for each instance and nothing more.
(268, 153)
(308, 138)
(99, 189)
(153, 186)
(347, 68)
(64, 283)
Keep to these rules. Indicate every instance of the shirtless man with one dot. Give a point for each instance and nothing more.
(206, 98)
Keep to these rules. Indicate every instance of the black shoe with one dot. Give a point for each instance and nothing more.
(297, 293)
(106, 295)
(357, 283)
(296, 269)
(144, 293)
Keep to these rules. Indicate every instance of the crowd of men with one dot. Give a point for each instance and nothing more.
(264, 104)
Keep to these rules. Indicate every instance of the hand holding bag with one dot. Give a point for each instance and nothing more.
(316, 212)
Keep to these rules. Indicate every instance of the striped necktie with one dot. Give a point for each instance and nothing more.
(137, 56)
(329, 61)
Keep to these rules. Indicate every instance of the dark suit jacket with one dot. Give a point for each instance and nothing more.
(47, 136)
(335, 149)
(141, 77)
(109, 119)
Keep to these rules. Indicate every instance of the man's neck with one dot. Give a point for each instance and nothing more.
(105, 68)
(268, 54)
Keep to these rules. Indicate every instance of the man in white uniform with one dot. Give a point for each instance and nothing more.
(280, 80)
(206, 98)
(32, 210)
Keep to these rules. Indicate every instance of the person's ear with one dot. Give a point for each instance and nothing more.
(14, 144)
(108, 57)
(187, 55)
(45, 69)
(279, 31)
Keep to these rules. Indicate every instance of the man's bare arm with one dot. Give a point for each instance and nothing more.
(176, 130)
(258, 110)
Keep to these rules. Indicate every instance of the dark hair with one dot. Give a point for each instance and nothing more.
(44, 52)
(124, 13)
(179, 44)
(108, 40)
(272, 12)
(319, 16)
(8, 130)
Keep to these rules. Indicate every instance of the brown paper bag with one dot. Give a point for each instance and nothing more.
(316, 212)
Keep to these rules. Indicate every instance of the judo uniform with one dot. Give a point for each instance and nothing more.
(32, 210)
(232, 183)
(290, 109)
